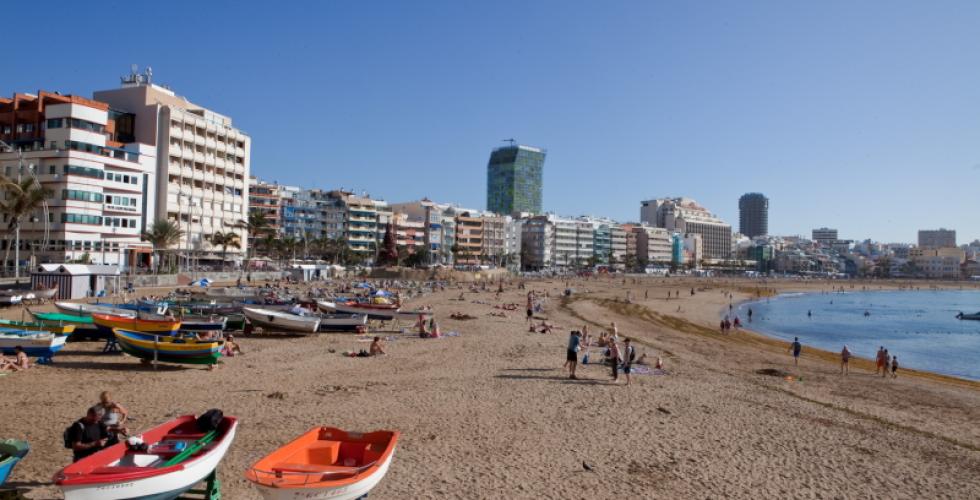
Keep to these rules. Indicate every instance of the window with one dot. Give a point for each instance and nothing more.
(51, 169)
(81, 219)
(94, 173)
(72, 194)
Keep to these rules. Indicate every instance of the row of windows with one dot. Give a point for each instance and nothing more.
(120, 222)
(82, 219)
(21, 128)
(99, 150)
(77, 124)
(74, 194)
(203, 133)
(125, 179)
(120, 200)
(95, 173)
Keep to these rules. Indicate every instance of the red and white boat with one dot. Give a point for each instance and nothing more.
(178, 455)
(373, 311)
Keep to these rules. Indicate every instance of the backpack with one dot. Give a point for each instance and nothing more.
(632, 354)
(210, 420)
(67, 435)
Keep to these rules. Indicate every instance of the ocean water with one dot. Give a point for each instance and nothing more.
(917, 326)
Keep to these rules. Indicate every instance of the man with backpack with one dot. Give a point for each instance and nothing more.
(629, 355)
(87, 435)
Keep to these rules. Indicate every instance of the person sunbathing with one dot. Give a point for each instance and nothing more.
(545, 327)
(21, 362)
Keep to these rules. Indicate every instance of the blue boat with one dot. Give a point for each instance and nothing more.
(11, 452)
(43, 345)
(141, 306)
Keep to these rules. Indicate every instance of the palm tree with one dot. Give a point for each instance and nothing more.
(21, 199)
(163, 234)
(225, 240)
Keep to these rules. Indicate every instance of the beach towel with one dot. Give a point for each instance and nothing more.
(646, 370)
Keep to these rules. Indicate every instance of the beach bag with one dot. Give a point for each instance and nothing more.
(585, 359)
(210, 420)
(66, 436)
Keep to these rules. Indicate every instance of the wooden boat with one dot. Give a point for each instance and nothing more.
(203, 323)
(11, 452)
(38, 326)
(62, 319)
(108, 322)
(81, 309)
(179, 454)
(41, 344)
(9, 300)
(270, 319)
(974, 316)
(374, 311)
(141, 306)
(168, 348)
(413, 314)
(325, 463)
(330, 322)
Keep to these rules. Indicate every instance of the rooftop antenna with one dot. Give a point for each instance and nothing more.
(511, 141)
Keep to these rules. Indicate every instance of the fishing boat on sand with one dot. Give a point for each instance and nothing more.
(325, 463)
(330, 322)
(38, 326)
(202, 323)
(43, 345)
(62, 318)
(171, 459)
(374, 311)
(11, 452)
(270, 319)
(9, 300)
(88, 309)
(108, 322)
(168, 348)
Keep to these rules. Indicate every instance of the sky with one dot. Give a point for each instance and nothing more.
(861, 116)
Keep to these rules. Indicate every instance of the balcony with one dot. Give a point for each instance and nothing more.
(220, 147)
(187, 154)
(198, 175)
(176, 132)
(186, 172)
(198, 157)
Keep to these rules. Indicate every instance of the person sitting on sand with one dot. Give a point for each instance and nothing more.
(603, 340)
(545, 327)
(21, 361)
(376, 348)
(231, 348)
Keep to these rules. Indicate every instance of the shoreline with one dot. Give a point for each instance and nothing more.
(831, 355)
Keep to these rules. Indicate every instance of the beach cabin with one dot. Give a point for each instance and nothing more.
(76, 281)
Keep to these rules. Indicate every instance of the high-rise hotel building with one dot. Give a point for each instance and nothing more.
(100, 178)
(514, 180)
(684, 215)
(202, 161)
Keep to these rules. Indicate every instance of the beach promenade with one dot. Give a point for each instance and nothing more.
(491, 413)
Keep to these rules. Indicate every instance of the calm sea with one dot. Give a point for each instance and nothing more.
(917, 326)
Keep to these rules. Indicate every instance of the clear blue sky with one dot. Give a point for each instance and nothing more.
(863, 116)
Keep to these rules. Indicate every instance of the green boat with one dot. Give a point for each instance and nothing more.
(61, 318)
(38, 326)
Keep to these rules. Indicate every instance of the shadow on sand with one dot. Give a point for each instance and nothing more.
(130, 365)
(556, 378)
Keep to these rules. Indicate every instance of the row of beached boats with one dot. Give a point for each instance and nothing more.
(12, 297)
(168, 460)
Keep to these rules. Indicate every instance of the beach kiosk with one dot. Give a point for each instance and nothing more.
(76, 281)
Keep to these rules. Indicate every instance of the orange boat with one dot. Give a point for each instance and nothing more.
(106, 323)
(325, 463)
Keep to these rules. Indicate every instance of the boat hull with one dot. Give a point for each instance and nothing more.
(15, 450)
(38, 326)
(36, 344)
(89, 309)
(346, 492)
(107, 323)
(165, 486)
(165, 350)
(371, 312)
(278, 320)
(342, 322)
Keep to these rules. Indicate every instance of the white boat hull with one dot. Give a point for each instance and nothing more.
(345, 492)
(278, 320)
(385, 314)
(167, 486)
(88, 309)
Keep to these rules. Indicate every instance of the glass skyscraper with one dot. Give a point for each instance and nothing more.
(514, 176)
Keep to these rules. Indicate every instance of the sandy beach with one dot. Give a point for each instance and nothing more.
(491, 413)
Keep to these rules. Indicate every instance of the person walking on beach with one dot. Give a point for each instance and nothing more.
(880, 360)
(895, 367)
(530, 305)
(614, 359)
(845, 356)
(571, 356)
(629, 355)
(887, 364)
(750, 315)
(796, 347)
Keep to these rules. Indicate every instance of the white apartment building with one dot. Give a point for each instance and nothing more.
(653, 244)
(537, 243)
(202, 162)
(684, 215)
(101, 182)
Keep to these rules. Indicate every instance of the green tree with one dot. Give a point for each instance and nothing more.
(163, 234)
(20, 200)
(418, 258)
(225, 240)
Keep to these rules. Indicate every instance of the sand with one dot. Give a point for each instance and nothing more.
(491, 413)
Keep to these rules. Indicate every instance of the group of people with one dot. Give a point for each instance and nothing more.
(19, 362)
(101, 427)
(618, 358)
(726, 324)
(885, 363)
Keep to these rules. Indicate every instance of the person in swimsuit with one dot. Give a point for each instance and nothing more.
(376, 347)
(231, 347)
(880, 360)
(895, 367)
(571, 354)
(114, 417)
(21, 361)
(629, 354)
(886, 363)
(845, 356)
(614, 358)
